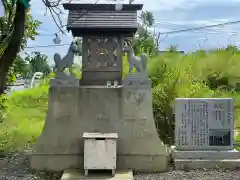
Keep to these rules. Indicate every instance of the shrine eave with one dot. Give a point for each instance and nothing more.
(79, 32)
(110, 7)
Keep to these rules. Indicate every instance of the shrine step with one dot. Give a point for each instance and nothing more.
(190, 164)
(74, 174)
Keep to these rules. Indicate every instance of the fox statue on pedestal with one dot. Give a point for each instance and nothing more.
(67, 61)
(140, 63)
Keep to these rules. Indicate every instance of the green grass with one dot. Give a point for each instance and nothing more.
(25, 115)
(237, 140)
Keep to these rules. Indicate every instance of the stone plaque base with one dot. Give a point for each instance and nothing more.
(75, 110)
(190, 164)
(206, 159)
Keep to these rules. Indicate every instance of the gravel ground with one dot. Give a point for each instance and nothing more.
(17, 169)
(192, 175)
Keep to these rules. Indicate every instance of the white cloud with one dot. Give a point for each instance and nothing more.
(178, 14)
(152, 5)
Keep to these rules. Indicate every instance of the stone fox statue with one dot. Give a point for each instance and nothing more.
(140, 63)
(66, 61)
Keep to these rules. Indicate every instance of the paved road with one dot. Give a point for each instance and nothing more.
(21, 85)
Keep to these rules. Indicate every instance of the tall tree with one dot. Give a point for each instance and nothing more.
(19, 68)
(147, 19)
(15, 28)
(172, 48)
(144, 40)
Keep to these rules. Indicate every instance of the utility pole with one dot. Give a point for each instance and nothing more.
(131, 1)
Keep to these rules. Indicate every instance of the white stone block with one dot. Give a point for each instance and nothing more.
(100, 151)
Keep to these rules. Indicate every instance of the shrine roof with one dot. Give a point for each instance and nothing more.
(126, 7)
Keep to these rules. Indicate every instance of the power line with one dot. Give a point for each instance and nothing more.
(162, 33)
(189, 29)
(43, 46)
(202, 27)
(183, 28)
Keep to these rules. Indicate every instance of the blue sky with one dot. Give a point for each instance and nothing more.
(169, 16)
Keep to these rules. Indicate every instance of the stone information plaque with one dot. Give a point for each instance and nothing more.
(204, 123)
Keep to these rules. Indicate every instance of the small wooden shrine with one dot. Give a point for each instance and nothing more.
(103, 28)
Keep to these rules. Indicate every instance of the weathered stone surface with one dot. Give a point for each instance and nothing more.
(205, 134)
(64, 80)
(75, 110)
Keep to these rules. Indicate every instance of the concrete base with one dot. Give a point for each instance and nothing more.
(187, 160)
(126, 111)
(79, 175)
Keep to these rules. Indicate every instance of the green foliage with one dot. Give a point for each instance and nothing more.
(6, 26)
(79, 46)
(31, 29)
(172, 48)
(19, 67)
(144, 40)
(3, 107)
(38, 63)
(25, 68)
(6, 32)
(146, 19)
(175, 75)
(25, 114)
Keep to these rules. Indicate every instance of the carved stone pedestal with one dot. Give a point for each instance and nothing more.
(93, 107)
(137, 80)
(125, 110)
